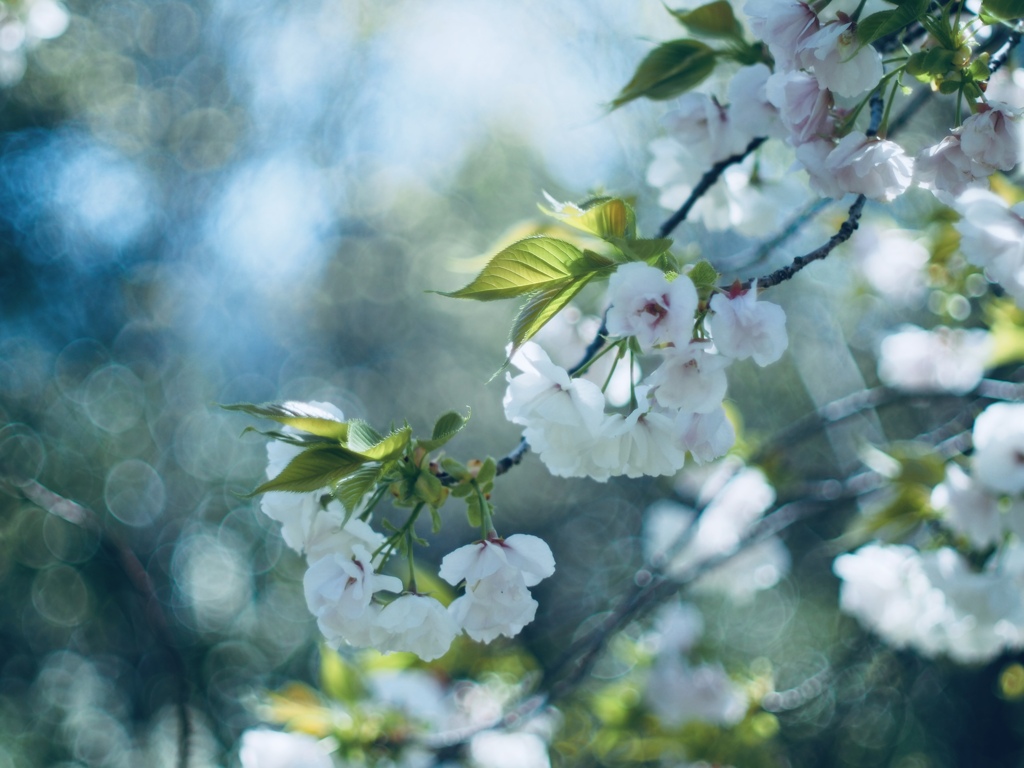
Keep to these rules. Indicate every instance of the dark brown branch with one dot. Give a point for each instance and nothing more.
(785, 273)
(705, 183)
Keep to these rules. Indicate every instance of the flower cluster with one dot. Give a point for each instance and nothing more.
(935, 601)
(346, 592)
(675, 410)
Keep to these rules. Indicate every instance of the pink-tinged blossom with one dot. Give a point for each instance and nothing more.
(342, 586)
(544, 392)
(472, 563)
(876, 168)
(783, 25)
(646, 305)
(968, 509)
(263, 748)
(943, 359)
(644, 443)
(998, 459)
(705, 435)
(500, 604)
(751, 112)
(812, 155)
(690, 379)
(946, 172)
(804, 107)
(993, 136)
(839, 63)
(415, 624)
(743, 327)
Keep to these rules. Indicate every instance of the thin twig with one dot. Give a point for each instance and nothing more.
(785, 273)
(705, 183)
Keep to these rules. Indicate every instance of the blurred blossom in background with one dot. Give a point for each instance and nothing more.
(206, 203)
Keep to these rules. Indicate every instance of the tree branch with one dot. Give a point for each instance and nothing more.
(705, 183)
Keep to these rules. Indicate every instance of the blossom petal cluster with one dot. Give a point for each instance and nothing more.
(357, 605)
(992, 237)
(940, 360)
(678, 408)
(937, 602)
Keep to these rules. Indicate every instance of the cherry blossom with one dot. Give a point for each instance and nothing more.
(646, 305)
(342, 586)
(876, 168)
(743, 327)
(500, 604)
(940, 360)
(968, 509)
(946, 171)
(993, 136)
(998, 459)
(804, 107)
(530, 555)
(690, 379)
(839, 63)
(415, 624)
(784, 26)
(264, 748)
(705, 435)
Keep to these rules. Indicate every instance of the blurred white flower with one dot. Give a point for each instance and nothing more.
(998, 459)
(992, 237)
(678, 626)
(679, 693)
(743, 327)
(968, 509)
(947, 172)
(784, 26)
(263, 748)
(706, 129)
(493, 749)
(750, 110)
(893, 261)
(940, 360)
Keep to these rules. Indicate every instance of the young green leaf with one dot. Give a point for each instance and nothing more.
(292, 415)
(351, 490)
(362, 436)
(387, 448)
(313, 469)
(642, 250)
(703, 275)
(530, 265)
(669, 70)
(541, 307)
(712, 20)
(608, 218)
(1004, 10)
(878, 25)
(445, 428)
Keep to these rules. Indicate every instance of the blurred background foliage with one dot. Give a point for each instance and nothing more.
(214, 202)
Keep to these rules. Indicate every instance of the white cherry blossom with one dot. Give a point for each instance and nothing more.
(500, 604)
(341, 586)
(804, 107)
(743, 327)
(946, 171)
(940, 360)
(544, 392)
(646, 305)
(993, 136)
(998, 459)
(750, 109)
(992, 237)
(264, 748)
(415, 624)
(705, 435)
(839, 63)
(876, 168)
(968, 509)
(644, 443)
(472, 563)
(690, 379)
(783, 25)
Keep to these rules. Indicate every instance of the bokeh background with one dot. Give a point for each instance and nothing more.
(214, 202)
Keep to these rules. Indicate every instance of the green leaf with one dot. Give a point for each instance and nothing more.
(486, 474)
(703, 275)
(1005, 10)
(643, 250)
(313, 469)
(362, 436)
(541, 307)
(292, 415)
(389, 447)
(474, 514)
(712, 20)
(445, 428)
(607, 218)
(669, 70)
(883, 23)
(351, 491)
(456, 469)
(533, 264)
